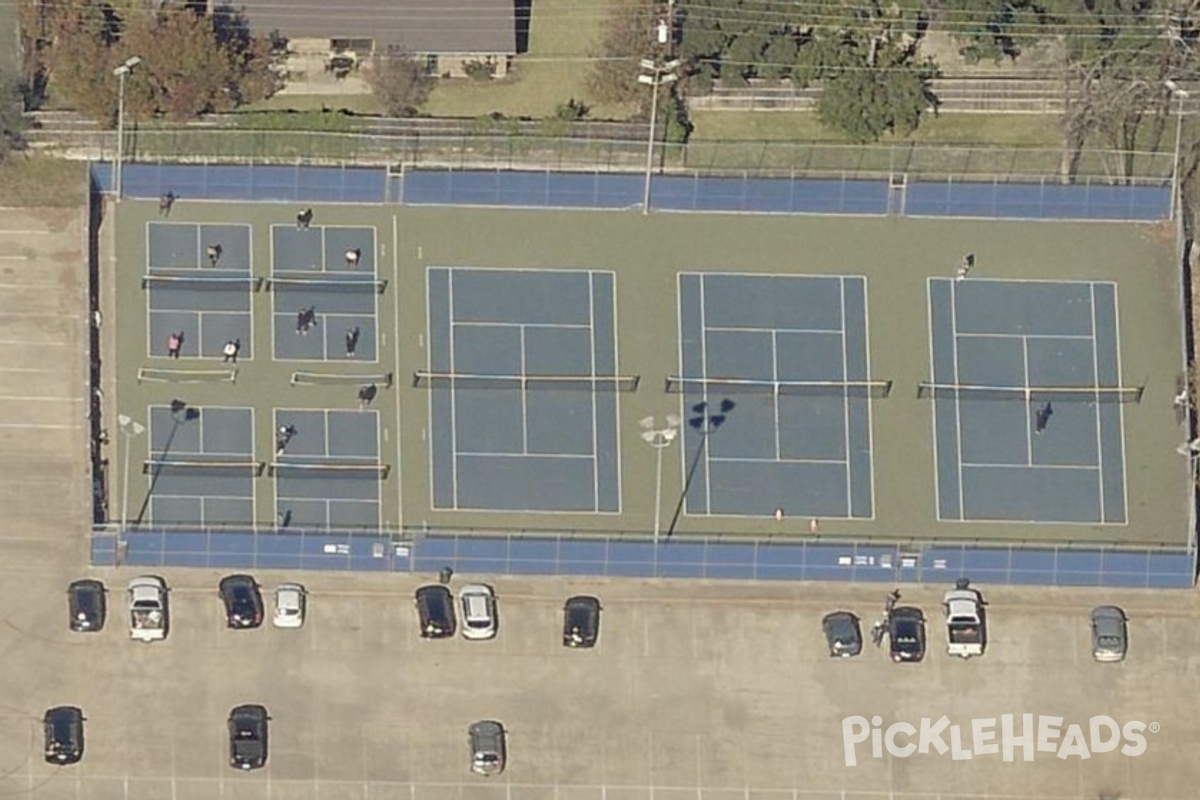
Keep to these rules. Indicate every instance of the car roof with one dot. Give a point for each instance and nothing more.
(486, 727)
(840, 617)
(248, 711)
(432, 590)
(86, 584)
(237, 581)
(61, 714)
(908, 613)
(582, 601)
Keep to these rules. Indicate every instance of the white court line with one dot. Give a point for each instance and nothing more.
(870, 405)
(475, 454)
(745, 460)
(31, 286)
(496, 324)
(39, 426)
(777, 434)
(1096, 406)
(34, 342)
(846, 397)
(42, 398)
(1023, 336)
(35, 314)
(1062, 467)
(524, 395)
(749, 329)
(15, 232)
(957, 405)
(55, 370)
(1124, 466)
(1028, 404)
(591, 328)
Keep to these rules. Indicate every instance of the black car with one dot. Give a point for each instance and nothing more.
(843, 634)
(248, 737)
(87, 606)
(243, 601)
(906, 634)
(435, 611)
(581, 621)
(64, 735)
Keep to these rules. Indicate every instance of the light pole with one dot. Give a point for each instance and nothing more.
(129, 429)
(121, 72)
(654, 74)
(1180, 95)
(659, 437)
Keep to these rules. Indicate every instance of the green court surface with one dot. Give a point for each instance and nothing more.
(646, 255)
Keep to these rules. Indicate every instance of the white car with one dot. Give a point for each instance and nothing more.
(478, 603)
(289, 605)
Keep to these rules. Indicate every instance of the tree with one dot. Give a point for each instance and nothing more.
(399, 82)
(628, 38)
(867, 101)
(12, 118)
(192, 64)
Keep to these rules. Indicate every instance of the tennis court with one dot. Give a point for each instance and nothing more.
(776, 387)
(199, 288)
(327, 468)
(1028, 401)
(523, 382)
(324, 293)
(201, 466)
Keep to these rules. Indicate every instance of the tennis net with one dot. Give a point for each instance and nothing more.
(200, 467)
(169, 375)
(578, 383)
(331, 284)
(341, 469)
(339, 378)
(202, 282)
(840, 389)
(1031, 394)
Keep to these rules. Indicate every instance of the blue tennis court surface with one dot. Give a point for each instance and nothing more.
(776, 356)
(506, 444)
(1028, 435)
(331, 272)
(1088, 200)
(327, 469)
(201, 467)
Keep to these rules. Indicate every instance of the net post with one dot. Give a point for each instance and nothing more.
(418, 379)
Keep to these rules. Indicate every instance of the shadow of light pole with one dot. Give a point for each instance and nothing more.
(180, 413)
(705, 423)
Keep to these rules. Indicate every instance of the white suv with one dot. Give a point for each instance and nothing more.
(478, 603)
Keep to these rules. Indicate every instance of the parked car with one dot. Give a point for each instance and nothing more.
(906, 634)
(1110, 640)
(478, 603)
(243, 601)
(435, 611)
(64, 735)
(87, 605)
(581, 621)
(290, 602)
(487, 748)
(843, 634)
(248, 737)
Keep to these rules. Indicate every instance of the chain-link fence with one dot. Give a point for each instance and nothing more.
(519, 151)
(638, 554)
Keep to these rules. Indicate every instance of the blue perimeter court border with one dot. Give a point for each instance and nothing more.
(498, 555)
(1047, 200)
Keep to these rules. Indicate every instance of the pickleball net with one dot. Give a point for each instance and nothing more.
(578, 383)
(731, 386)
(1031, 394)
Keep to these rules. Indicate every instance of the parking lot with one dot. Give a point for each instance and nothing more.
(696, 689)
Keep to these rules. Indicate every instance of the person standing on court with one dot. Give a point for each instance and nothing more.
(352, 258)
(174, 344)
(282, 437)
(304, 219)
(214, 254)
(231, 350)
(968, 261)
(165, 203)
(1043, 418)
(366, 394)
(352, 335)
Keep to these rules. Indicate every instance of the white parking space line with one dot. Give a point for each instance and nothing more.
(41, 426)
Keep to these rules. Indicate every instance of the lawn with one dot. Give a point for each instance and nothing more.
(38, 181)
(1007, 130)
(562, 34)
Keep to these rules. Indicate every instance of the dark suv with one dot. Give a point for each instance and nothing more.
(581, 621)
(243, 602)
(87, 606)
(435, 611)
(248, 737)
(906, 634)
(64, 735)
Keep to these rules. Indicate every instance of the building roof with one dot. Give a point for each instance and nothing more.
(418, 26)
